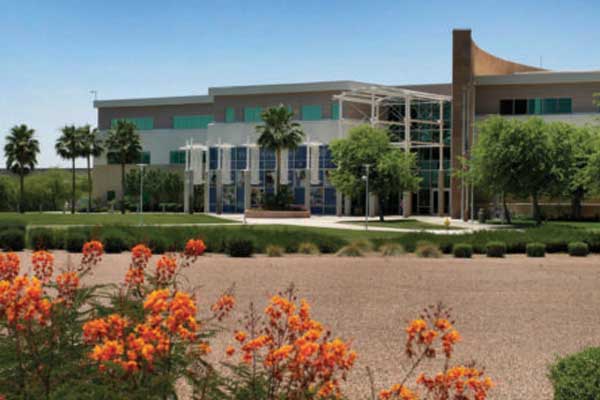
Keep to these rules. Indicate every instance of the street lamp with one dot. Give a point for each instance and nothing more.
(141, 166)
(365, 177)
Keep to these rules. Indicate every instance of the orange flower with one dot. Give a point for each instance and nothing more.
(223, 306)
(443, 324)
(156, 301)
(165, 269)
(399, 392)
(204, 348)
(67, 284)
(194, 248)
(416, 326)
(240, 336)
(92, 253)
(21, 301)
(134, 277)
(230, 351)
(9, 266)
(43, 265)
(448, 341)
(458, 382)
(140, 255)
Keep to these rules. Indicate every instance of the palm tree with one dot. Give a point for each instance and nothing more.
(279, 132)
(91, 146)
(124, 145)
(68, 147)
(21, 151)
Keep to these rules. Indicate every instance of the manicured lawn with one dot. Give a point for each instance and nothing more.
(34, 218)
(403, 224)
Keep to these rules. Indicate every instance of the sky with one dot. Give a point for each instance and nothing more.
(53, 53)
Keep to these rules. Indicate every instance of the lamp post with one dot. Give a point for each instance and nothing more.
(366, 179)
(141, 166)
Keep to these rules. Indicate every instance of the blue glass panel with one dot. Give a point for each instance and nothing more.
(213, 155)
(300, 157)
(299, 195)
(330, 198)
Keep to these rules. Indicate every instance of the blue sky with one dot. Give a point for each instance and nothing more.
(52, 53)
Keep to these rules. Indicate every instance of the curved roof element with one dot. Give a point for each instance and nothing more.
(485, 63)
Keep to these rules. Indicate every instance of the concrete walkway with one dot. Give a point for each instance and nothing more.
(350, 223)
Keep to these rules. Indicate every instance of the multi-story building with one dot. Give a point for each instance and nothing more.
(213, 136)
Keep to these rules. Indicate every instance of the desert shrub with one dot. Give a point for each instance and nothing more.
(536, 249)
(363, 244)
(12, 239)
(273, 250)
(577, 377)
(43, 238)
(329, 245)
(578, 249)
(74, 241)
(351, 250)
(462, 250)
(495, 249)
(427, 250)
(115, 241)
(391, 249)
(240, 247)
(308, 248)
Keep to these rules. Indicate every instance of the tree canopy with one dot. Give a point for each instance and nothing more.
(391, 170)
(21, 150)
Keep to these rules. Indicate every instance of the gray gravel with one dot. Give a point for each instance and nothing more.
(515, 314)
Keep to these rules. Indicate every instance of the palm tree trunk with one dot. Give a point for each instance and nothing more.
(537, 214)
(73, 185)
(277, 168)
(21, 192)
(122, 188)
(89, 175)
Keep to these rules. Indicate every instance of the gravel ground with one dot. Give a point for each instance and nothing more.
(515, 314)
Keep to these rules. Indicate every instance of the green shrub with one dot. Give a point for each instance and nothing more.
(363, 244)
(114, 241)
(578, 249)
(308, 248)
(329, 245)
(391, 249)
(535, 249)
(159, 245)
(12, 239)
(273, 250)
(495, 249)
(350, 250)
(462, 250)
(577, 377)
(43, 238)
(427, 250)
(74, 241)
(240, 247)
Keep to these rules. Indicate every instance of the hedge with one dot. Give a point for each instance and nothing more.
(577, 377)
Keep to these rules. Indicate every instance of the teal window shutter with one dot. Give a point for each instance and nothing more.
(550, 106)
(311, 113)
(142, 124)
(565, 105)
(145, 157)
(192, 121)
(335, 111)
(252, 114)
(230, 114)
(177, 157)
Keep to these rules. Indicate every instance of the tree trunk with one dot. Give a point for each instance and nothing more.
(382, 200)
(507, 216)
(89, 175)
(123, 188)
(537, 215)
(576, 199)
(21, 192)
(73, 185)
(277, 169)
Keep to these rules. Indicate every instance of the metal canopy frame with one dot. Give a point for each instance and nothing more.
(390, 107)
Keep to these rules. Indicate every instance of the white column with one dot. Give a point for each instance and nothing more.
(407, 196)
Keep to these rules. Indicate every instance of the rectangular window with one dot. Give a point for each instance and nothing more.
(534, 106)
(311, 113)
(192, 121)
(565, 105)
(550, 106)
(145, 157)
(252, 114)
(335, 111)
(506, 107)
(177, 157)
(230, 114)
(520, 106)
(142, 124)
(110, 195)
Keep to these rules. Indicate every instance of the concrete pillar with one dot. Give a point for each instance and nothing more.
(347, 205)
(441, 192)
(247, 190)
(373, 205)
(307, 190)
(338, 203)
(186, 191)
(407, 202)
(206, 192)
(219, 192)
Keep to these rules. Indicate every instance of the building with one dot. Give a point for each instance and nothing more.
(213, 136)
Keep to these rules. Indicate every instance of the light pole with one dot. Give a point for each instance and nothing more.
(141, 166)
(366, 179)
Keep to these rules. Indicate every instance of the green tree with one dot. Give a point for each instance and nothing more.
(8, 193)
(21, 150)
(68, 146)
(91, 146)
(514, 157)
(124, 146)
(279, 132)
(391, 170)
